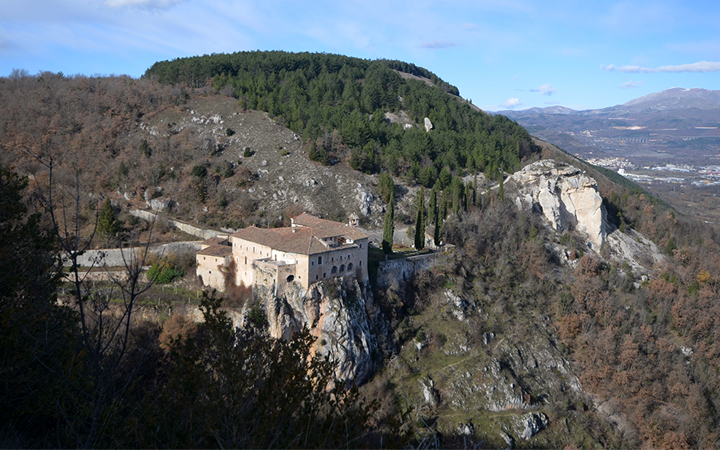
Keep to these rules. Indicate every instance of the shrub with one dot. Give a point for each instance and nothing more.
(164, 273)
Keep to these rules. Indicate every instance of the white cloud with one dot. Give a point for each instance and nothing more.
(545, 89)
(631, 84)
(149, 4)
(437, 44)
(702, 66)
(512, 102)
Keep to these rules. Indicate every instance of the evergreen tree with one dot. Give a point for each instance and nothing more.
(474, 191)
(389, 228)
(107, 224)
(457, 192)
(437, 232)
(501, 192)
(468, 197)
(432, 206)
(420, 221)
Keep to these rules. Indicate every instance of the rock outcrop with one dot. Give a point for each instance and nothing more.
(336, 314)
(566, 196)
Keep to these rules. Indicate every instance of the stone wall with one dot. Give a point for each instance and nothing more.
(404, 269)
(115, 257)
(273, 274)
(180, 225)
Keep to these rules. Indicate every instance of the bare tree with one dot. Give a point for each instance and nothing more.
(105, 323)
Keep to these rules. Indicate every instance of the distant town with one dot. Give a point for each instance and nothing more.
(699, 176)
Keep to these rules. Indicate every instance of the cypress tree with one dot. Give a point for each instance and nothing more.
(474, 191)
(437, 233)
(501, 192)
(457, 196)
(389, 228)
(420, 222)
(432, 207)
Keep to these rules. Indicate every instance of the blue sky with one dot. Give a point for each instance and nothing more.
(501, 54)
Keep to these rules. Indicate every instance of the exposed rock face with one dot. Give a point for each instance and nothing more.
(567, 197)
(337, 316)
(428, 125)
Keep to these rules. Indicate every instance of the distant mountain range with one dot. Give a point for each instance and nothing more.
(675, 125)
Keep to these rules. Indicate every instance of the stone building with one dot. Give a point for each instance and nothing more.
(213, 260)
(308, 251)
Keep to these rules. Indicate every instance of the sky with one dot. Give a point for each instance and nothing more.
(501, 54)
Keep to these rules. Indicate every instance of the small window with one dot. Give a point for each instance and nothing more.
(316, 277)
(312, 263)
(290, 278)
(360, 264)
(319, 259)
(342, 268)
(324, 275)
(350, 266)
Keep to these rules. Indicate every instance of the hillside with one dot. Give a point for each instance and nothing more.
(577, 309)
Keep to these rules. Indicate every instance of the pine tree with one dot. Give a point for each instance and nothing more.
(389, 228)
(107, 224)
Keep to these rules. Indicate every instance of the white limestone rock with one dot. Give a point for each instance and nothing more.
(428, 125)
(339, 320)
(566, 196)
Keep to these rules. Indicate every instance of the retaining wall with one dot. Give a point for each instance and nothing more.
(202, 233)
(405, 269)
(115, 257)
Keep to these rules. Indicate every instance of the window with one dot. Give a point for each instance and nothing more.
(360, 264)
(290, 278)
(324, 275)
(334, 269)
(342, 268)
(319, 259)
(316, 277)
(312, 263)
(350, 266)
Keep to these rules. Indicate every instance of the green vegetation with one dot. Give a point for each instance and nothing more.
(338, 105)
(164, 273)
(389, 227)
(107, 225)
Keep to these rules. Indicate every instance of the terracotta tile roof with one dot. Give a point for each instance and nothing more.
(324, 228)
(215, 241)
(216, 250)
(284, 239)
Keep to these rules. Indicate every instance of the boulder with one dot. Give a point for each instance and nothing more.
(566, 196)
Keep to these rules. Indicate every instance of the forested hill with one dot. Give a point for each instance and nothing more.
(339, 106)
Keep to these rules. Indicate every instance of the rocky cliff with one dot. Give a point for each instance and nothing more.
(340, 314)
(566, 196)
